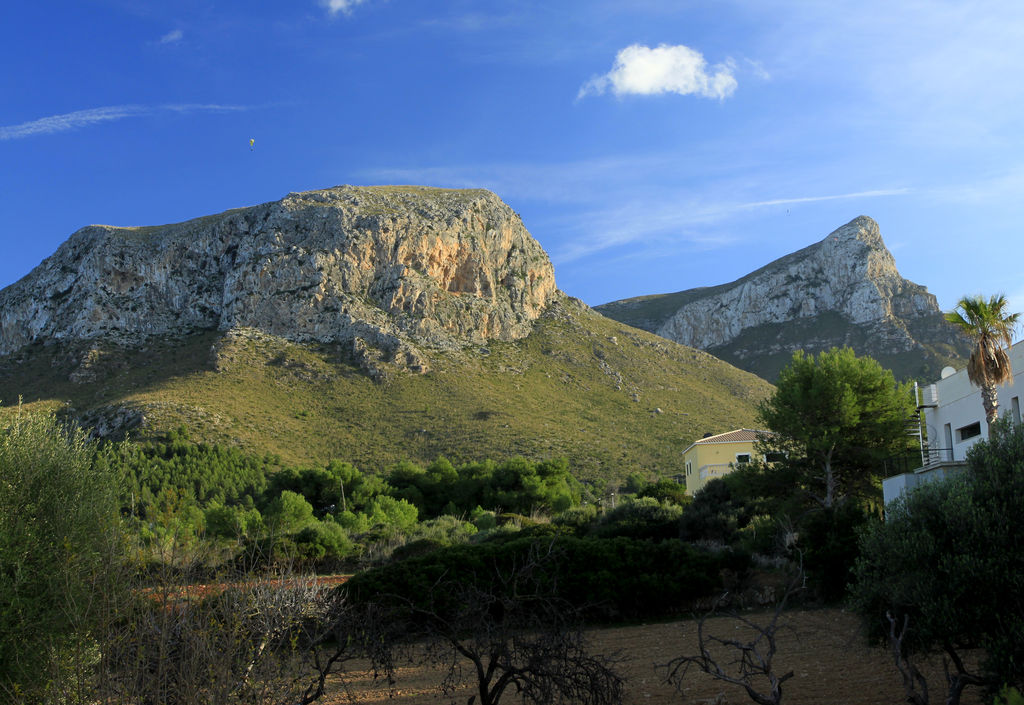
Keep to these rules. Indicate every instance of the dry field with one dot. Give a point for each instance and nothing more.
(832, 665)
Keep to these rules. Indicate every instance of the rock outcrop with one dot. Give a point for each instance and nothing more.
(843, 290)
(389, 269)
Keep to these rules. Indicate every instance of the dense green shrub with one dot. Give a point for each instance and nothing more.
(446, 530)
(716, 514)
(483, 519)
(829, 540)
(950, 559)
(205, 473)
(515, 485)
(233, 522)
(323, 540)
(666, 491)
(726, 506)
(337, 487)
(610, 578)
(578, 519)
(59, 543)
(288, 513)
(641, 518)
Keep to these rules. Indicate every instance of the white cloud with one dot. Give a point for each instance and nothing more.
(172, 36)
(84, 118)
(640, 70)
(336, 6)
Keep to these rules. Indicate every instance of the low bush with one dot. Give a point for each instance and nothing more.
(610, 579)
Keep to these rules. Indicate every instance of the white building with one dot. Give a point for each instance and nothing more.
(954, 420)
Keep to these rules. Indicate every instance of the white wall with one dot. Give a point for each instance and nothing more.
(960, 405)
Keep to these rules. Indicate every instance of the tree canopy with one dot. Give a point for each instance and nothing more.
(835, 416)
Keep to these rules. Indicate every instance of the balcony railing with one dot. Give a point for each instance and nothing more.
(909, 462)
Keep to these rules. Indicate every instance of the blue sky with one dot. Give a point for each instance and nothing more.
(649, 145)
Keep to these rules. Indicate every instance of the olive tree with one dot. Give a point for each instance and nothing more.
(503, 622)
(945, 572)
(59, 537)
(259, 640)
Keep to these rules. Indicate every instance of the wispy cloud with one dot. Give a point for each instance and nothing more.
(472, 22)
(201, 108)
(85, 118)
(985, 190)
(687, 219)
(640, 70)
(172, 37)
(70, 121)
(814, 199)
(757, 69)
(343, 6)
(546, 182)
(939, 68)
(683, 210)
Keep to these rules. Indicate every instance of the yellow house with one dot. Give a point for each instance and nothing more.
(715, 456)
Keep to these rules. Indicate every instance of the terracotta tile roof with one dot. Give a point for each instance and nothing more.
(741, 434)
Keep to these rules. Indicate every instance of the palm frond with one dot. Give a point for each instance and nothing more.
(991, 329)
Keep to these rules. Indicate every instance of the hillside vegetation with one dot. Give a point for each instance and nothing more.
(610, 398)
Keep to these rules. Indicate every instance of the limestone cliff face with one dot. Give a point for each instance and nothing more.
(392, 267)
(850, 272)
(843, 290)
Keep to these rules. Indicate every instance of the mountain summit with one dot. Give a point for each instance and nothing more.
(388, 268)
(371, 325)
(843, 290)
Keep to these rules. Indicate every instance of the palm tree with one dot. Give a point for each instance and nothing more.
(990, 329)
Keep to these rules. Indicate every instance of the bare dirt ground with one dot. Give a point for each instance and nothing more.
(824, 648)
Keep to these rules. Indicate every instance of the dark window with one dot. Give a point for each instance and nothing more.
(969, 431)
(742, 458)
(774, 457)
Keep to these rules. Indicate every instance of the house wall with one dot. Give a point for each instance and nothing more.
(959, 406)
(714, 458)
(893, 487)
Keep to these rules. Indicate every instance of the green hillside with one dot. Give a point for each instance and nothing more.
(764, 350)
(581, 386)
(649, 312)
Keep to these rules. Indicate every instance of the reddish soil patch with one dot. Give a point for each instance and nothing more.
(825, 649)
(197, 591)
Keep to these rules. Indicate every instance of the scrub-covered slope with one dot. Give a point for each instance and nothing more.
(364, 324)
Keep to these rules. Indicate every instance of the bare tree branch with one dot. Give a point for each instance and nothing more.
(915, 685)
(753, 660)
(515, 632)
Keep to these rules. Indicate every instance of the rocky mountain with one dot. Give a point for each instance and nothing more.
(843, 290)
(364, 324)
(386, 269)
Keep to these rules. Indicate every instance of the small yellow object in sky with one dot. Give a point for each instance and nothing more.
(251, 143)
